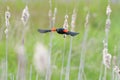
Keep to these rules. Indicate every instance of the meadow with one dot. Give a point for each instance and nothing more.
(84, 51)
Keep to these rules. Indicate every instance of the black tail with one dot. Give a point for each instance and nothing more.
(43, 31)
(72, 33)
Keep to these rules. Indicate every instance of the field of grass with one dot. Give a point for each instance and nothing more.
(39, 19)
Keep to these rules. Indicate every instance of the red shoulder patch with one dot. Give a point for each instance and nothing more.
(53, 29)
(65, 30)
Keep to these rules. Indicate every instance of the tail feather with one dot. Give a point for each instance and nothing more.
(43, 31)
(72, 33)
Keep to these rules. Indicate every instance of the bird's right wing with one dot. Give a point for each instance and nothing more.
(43, 31)
(72, 33)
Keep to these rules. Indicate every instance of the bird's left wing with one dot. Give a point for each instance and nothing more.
(43, 31)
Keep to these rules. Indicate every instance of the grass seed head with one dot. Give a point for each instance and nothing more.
(25, 15)
(108, 10)
(106, 58)
(7, 17)
(116, 69)
(87, 20)
(54, 16)
(6, 32)
(65, 25)
(55, 11)
(73, 20)
(7, 14)
(108, 23)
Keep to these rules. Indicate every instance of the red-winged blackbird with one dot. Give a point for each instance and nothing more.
(59, 30)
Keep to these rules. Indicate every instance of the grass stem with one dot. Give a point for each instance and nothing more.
(67, 75)
(62, 68)
(83, 51)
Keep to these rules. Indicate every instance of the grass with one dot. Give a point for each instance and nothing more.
(39, 19)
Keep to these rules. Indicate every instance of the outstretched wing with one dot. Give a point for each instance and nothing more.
(72, 33)
(43, 31)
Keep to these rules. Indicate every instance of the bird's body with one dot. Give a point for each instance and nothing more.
(59, 31)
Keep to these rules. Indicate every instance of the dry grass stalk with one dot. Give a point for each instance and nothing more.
(106, 60)
(24, 18)
(20, 49)
(21, 73)
(52, 18)
(3, 70)
(106, 55)
(7, 17)
(70, 50)
(108, 22)
(62, 68)
(65, 25)
(83, 51)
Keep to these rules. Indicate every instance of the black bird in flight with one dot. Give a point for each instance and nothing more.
(59, 31)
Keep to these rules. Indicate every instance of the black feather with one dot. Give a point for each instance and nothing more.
(43, 31)
(72, 33)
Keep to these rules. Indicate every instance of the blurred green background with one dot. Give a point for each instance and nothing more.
(39, 19)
